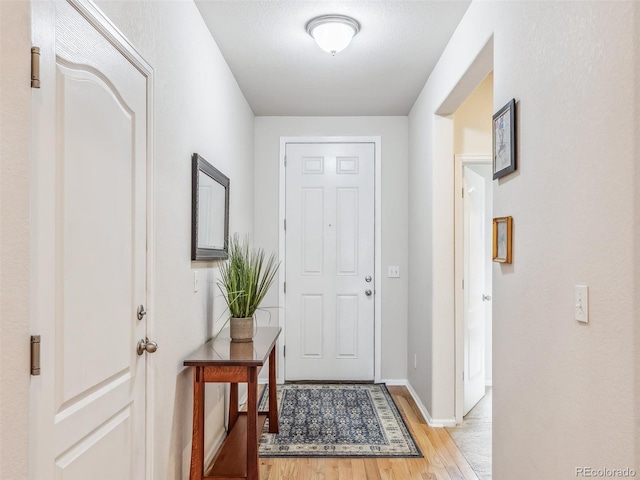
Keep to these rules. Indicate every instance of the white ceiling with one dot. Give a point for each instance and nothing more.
(281, 70)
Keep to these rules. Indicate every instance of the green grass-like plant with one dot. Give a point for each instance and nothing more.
(245, 277)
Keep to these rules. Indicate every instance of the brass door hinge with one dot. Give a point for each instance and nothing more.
(35, 355)
(35, 67)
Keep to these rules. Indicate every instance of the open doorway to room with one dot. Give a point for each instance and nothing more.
(472, 136)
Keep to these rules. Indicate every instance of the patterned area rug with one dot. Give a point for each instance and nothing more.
(341, 420)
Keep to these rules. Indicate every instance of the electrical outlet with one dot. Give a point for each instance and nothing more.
(394, 272)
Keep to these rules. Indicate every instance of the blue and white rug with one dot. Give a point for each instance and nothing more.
(341, 420)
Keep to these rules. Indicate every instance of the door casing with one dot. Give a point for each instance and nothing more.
(43, 36)
(376, 141)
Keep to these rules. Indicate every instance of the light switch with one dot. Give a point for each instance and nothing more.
(195, 281)
(394, 272)
(581, 305)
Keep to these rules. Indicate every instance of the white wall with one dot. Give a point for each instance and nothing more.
(15, 108)
(198, 108)
(472, 121)
(566, 395)
(393, 131)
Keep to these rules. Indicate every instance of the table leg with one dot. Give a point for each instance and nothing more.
(273, 401)
(252, 425)
(197, 441)
(233, 404)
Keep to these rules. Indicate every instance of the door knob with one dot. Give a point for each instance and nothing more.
(486, 298)
(146, 345)
(368, 293)
(367, 278)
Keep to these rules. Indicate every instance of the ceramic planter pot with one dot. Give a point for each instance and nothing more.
(241, 329)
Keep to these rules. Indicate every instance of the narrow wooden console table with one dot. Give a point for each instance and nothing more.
(221, 360)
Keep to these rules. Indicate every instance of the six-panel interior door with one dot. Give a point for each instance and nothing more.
(89, 256)
(475, 225)
(330, 261)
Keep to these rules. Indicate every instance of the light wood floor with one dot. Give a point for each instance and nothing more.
(442, 459)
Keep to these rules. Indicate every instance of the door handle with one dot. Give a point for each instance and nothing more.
(368, 293)
(145, 345)
(486, 298)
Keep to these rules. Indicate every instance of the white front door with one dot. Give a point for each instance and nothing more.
(476, 229)
(330, 261)
(88, 253)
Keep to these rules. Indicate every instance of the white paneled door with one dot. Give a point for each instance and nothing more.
(330, 283)
(89, 245)
(476, 225)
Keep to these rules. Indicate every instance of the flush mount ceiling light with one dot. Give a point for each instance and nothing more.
(333, 33)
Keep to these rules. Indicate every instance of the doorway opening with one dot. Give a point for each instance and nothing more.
(472, 135)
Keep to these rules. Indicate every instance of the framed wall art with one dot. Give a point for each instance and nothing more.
(209, 211)
(504, 140)
(502, 245)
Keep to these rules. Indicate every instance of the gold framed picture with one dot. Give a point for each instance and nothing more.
(502, 233)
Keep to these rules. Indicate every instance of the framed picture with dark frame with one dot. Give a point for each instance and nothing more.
(504, 140)
(502, 245)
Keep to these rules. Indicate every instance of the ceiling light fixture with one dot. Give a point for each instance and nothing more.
(333, 33)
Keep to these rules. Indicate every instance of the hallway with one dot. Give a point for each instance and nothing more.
(572, 69)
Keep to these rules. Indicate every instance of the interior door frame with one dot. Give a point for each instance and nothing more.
(43, 35)
(377, 310)
(459, 162)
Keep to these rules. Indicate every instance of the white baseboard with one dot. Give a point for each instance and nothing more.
(432, 422)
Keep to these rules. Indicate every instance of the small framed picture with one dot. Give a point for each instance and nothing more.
(504, 140)
(502, 229)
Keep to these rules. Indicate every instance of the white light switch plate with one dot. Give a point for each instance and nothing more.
(195, 281)
(394, 272)
(581, 305)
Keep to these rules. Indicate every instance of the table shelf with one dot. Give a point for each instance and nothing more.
(231, 460)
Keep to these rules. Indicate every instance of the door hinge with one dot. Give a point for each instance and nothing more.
(462, 192)
(35, 67)
(285, 287)
(284, 351)
(463, 283)
(285, 161)
(35, 355)
(285, 224)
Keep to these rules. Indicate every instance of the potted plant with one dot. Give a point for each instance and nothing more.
(245, 279)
